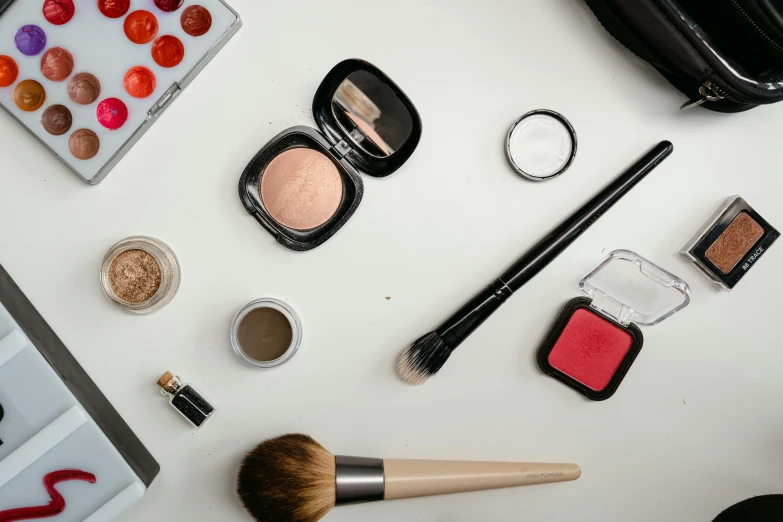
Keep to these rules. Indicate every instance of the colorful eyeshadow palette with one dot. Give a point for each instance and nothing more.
(89, 78)
(57, 427)
(730, 243)
(597, 338)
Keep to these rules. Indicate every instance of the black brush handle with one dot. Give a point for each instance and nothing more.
(463, 323)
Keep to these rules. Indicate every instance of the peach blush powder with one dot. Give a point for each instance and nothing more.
(301, 189)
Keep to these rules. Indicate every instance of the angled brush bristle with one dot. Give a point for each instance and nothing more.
(423, 360)
(288, 479)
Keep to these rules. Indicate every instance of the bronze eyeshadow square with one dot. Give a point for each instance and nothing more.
(730, 243)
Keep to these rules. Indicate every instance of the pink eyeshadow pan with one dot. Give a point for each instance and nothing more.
(112, 113)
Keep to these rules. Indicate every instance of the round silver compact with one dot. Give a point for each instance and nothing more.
(541, 145)
(266, 333)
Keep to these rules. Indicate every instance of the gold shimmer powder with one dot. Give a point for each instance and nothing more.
(135, 276)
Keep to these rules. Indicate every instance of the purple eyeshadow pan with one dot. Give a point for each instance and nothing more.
(30, 40)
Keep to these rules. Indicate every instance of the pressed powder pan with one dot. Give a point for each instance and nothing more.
(301, 189)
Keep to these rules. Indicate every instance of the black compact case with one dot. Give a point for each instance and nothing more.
(352, 90)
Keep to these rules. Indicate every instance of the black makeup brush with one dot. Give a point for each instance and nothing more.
(428, 355)
(294, 479)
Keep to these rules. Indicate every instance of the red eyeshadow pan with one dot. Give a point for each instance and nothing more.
(168, 51)
(141, 27)
(9, 71)
(114, 8)
(169, 6)
(140, 82)
(590, 349)
(58, 12)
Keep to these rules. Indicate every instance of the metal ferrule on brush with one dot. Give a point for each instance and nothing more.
(358, 480)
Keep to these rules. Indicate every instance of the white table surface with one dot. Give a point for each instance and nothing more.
(696, 425)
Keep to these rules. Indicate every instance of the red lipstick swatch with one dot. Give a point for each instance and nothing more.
(590, 349)
(56, 506)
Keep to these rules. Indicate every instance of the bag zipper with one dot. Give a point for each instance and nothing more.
(756, 26)
(712, 91)
(708, 92)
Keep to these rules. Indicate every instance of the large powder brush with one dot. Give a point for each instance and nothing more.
(294, 479)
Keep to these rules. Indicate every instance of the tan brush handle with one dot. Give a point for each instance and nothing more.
(423, 478)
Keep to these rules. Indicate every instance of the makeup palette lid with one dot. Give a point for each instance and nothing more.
(630, 289)
(367, 117)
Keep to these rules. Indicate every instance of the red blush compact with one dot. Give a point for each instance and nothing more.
(590, 349)
(595, 340)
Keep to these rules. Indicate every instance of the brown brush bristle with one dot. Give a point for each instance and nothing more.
(288, 479)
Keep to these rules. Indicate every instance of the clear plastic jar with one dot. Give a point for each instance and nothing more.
(292, 332)
(169, 274)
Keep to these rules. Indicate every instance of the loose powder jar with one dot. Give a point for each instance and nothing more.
(731, 243)
(266, 333)
(597, 338)
(541, 145)
(140, 274)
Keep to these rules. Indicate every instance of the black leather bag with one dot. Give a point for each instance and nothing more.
(724, 55)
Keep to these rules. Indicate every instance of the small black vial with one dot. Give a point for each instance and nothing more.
(186, 400)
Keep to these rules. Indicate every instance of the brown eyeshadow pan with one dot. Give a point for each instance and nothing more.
(196, 20)
(57, 120)
(84, 144)
(84, 88)
(734, 244)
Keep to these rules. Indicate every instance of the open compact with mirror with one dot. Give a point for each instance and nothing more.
(304, 185)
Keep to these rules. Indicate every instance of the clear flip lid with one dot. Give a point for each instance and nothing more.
(630, 289)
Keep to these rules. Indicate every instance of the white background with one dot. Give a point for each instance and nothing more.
(696, 425)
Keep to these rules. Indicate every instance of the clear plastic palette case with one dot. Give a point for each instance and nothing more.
(101, 46)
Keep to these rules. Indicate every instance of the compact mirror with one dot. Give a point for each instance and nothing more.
(370, 112)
